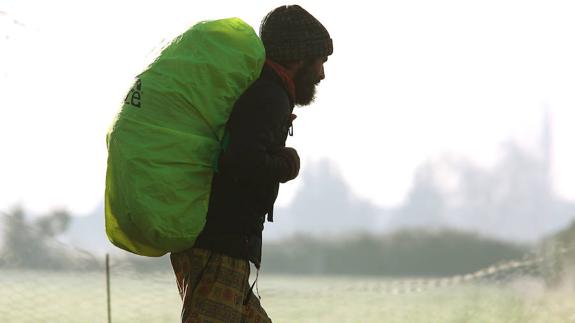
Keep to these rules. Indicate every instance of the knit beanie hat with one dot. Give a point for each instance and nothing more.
(290, 33)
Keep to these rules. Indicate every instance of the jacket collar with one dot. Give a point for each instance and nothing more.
(281, 72)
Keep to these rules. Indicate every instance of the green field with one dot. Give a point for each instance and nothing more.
(27, 296)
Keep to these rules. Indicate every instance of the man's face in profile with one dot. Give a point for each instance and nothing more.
(306, 79)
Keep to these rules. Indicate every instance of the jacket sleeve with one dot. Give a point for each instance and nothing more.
(254, 152)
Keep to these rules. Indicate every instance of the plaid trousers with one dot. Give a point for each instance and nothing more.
(215, 288)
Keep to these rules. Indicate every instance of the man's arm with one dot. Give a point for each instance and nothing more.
(255, 123)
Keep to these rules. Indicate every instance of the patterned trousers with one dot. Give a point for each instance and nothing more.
(215, 288)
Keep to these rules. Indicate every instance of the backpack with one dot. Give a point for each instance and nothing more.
(164, 143)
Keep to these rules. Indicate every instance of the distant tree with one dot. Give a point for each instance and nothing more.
(558, 251)
(54, 224)
(15, 235)
(326, 204)
(30, 243)
(407, 253)
(425, 203)
(512, 200)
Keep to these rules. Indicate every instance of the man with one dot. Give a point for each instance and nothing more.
(213, 275)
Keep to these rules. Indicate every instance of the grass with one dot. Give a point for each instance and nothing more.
(28, 296)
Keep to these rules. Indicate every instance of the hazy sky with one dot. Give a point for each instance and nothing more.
(408, 81)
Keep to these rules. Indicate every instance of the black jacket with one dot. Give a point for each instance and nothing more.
(250, 170)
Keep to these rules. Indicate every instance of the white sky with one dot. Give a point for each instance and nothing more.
(408, 80)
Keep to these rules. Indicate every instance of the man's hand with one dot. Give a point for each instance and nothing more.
(291, 158)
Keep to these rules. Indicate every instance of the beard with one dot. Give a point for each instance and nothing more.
(305, 81)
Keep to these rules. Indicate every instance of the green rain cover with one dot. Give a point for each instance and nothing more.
(167, 137)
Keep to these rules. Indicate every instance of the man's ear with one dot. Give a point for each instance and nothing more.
(297, 64)
(293, 67)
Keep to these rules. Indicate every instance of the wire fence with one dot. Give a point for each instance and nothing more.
(90, 287)
(112, 291)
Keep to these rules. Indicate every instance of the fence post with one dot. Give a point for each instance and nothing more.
(108, 288)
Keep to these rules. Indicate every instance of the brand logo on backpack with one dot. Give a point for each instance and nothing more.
(134, 97)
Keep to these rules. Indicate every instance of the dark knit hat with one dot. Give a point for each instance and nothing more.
(290, 33)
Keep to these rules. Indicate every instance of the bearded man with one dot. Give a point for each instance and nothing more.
(213, 276)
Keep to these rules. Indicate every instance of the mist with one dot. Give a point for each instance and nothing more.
(436, 181)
